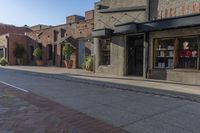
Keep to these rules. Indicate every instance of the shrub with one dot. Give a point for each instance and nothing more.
(88, 63)
(3, 61)
(67, 51)
(37, 53)
(19, 51)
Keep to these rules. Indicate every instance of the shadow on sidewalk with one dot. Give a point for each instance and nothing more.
(110, 85)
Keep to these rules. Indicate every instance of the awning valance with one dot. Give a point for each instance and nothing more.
(102, 33)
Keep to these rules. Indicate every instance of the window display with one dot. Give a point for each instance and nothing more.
(105, 52)
(179, 52)
(188, 52)
(164, 53)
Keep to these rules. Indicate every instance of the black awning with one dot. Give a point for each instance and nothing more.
(123, 9)
(180, 22)
(102, 33)
(165, 24)
(127, 28)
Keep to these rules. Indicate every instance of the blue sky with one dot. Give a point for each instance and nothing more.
(50, 12)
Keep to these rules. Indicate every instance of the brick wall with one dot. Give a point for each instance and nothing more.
(4, 29)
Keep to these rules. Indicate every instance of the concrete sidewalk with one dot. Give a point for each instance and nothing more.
(116, 81)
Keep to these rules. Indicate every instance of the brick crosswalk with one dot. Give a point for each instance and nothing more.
(22, 112)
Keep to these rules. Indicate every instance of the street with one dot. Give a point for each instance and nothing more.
(130, 111)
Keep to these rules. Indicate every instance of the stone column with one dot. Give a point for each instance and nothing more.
(145, 58)
(96, 54)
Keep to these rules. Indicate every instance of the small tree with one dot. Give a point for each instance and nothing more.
(67, 51)
(19, 51)
(37, 53)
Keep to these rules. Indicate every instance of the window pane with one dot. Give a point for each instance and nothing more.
(164, 53)
(188, 53)
(105, 52)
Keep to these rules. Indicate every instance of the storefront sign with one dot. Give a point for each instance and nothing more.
(169, 8)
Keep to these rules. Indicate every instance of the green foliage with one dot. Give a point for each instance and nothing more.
(3, 61)
(88, 63)
(19, 51)
(38, 53)
(67, 51)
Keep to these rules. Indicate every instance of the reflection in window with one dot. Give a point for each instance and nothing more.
(105, 52)
(187, 53)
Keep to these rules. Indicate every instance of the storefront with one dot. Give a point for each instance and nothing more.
(174, 55)
(174, 40)
(119, 48)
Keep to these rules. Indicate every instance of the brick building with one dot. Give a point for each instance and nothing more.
(80, 29)
(47, 40)
(5, 28)
(76, 31)
(9, 36)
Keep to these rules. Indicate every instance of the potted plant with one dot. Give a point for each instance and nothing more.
(19, 52)
(88, 63)
(3, 61)
(37, 53)
(67, 51)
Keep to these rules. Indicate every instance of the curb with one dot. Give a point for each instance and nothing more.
(104, 84)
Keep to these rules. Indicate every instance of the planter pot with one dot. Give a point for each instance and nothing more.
(68, 63)
(20, 61)
(39, 63)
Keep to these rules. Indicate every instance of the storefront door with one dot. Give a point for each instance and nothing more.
(135, 55)
(81, 53)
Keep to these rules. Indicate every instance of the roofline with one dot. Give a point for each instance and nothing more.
(50, 27)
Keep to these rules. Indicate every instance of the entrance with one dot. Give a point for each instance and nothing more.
(54, 54)
(81, 53)
(135, 55)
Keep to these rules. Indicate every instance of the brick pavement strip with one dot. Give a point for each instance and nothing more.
(22, 112)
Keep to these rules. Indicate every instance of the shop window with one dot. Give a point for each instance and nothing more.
(105, 52)
(63, 33)
(164, 53)
(31, 51)
(50, 53)
(176, 53)
(188, 53)
(1, 52)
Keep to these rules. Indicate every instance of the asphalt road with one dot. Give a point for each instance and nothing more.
(134, 112)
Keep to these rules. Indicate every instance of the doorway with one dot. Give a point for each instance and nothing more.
(54, 54)
(135, 55)
(81, 54)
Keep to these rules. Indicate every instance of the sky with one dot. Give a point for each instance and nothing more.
(48, 12)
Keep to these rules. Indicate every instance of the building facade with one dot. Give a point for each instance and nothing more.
(10, 36)
(77, 31)
(174, 52)
(117, 51)
(47, 40)
(156, 39)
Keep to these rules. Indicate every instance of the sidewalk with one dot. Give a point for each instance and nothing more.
(132, 83)
(22, 112)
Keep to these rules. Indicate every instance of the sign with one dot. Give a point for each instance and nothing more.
(175, 8)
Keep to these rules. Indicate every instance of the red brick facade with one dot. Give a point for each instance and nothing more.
(8, 43)
(5, 29)
(76, 31)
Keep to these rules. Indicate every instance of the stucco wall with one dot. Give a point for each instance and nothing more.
(109, 20)
(118, 64)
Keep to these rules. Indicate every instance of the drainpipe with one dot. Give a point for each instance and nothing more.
(7, 53)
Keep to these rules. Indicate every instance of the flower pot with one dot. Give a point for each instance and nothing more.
(39, 63)
(68, 63)
(20, 61)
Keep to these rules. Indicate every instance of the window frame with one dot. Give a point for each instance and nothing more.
(177, 40)
(102, 51)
